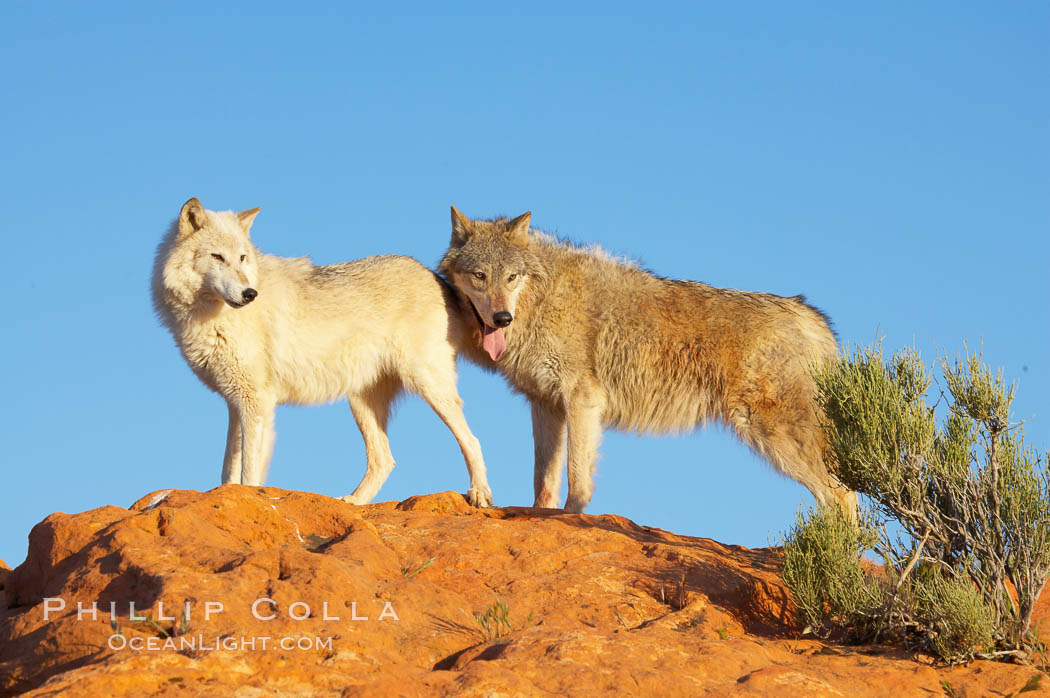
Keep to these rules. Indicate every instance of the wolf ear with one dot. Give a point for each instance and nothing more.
(518, 229)
(246, 217)
(192, 217)
(462, 227)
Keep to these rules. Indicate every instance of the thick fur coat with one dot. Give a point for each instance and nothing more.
(595, 342)
(262, 330)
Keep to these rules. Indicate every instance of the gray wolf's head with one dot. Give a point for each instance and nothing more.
(489, 261)
(212, 257)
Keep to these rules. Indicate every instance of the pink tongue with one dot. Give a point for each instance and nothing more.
(493, 341)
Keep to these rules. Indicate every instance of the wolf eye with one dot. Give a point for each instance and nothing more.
(243, 256)
(480, 275)
(218, 257)
(512, 277)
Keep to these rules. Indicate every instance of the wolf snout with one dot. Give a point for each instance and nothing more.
(249, 295)
(502, 318)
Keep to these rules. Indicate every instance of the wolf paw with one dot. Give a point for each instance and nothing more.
(479, 497)
(576, 505)
(351, 499)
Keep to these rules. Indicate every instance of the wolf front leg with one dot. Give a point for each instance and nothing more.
(548, 436)
(257, 439)
(231, 462)
(584, 413)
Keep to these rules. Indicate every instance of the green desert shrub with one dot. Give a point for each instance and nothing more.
(823, 569)
(959, 511)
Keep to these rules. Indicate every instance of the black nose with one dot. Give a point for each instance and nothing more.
(249, 295)
(502, 318)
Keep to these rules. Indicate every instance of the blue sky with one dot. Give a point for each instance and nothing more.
(890, 161)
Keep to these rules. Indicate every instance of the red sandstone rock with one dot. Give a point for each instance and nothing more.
(596, 605)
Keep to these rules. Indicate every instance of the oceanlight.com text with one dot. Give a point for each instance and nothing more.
(201, 643)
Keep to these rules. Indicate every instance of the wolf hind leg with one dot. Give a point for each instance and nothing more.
(549, 429)
(795, 447)
(371, 410)
(830, 492)
(436, 383)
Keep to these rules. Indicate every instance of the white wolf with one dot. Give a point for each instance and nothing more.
(262, 330)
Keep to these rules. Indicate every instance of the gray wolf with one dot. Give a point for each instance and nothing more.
(262, 330)
(593, 342)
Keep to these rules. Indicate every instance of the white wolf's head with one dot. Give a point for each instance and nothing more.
(489, 262)
(210, 257)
